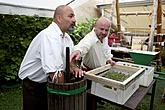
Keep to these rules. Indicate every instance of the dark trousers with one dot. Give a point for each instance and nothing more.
(91, 102)
(34, 95)
(91, 99)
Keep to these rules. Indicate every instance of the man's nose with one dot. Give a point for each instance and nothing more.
(104, 32)
(74, 19)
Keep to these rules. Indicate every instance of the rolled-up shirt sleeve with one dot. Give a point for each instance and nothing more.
(84, 45)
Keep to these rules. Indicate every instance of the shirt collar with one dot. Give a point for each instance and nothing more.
(58, 30)
(95, 36)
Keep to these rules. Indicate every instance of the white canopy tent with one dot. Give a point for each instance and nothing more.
(42, 8)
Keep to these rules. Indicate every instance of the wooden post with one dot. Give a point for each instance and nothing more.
(118, 18)
(151, 38)
(112, 11)
(159, 30)
(67, 71)
(102, 12)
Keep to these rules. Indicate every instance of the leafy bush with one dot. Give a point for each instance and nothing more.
(81, 30)
(16, 33)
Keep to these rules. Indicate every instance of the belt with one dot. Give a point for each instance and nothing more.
(27, 80)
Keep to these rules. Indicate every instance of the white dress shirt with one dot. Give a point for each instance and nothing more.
(94, 53)
(45, 54)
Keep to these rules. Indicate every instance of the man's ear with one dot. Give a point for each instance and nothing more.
(58, 18)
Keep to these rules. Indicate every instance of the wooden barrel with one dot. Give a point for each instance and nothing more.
(67, 96)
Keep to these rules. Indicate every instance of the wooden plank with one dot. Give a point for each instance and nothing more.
(104, 81)
(140, 30)
(125, 68)
(98, 70)
(108, 66)
(136, 13)
(70, 100)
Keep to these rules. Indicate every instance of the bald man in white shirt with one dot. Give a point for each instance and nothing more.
(94, 48)
(95, 52)
(45, 58)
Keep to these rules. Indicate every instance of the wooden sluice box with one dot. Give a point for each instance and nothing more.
(115, 83)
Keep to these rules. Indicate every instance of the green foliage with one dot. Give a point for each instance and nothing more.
(81, 30)
(16, 33)
(11, 99)
(116, 76)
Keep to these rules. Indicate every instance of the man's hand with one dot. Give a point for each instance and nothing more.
(75, 56)
(57, 77)
(76, 71)
(110, 62)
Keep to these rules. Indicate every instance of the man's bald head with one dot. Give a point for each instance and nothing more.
(101, 28)
(60, 10)
(64, 17)
(103, 21)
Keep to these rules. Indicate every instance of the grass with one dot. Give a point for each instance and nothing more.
(11, 99)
